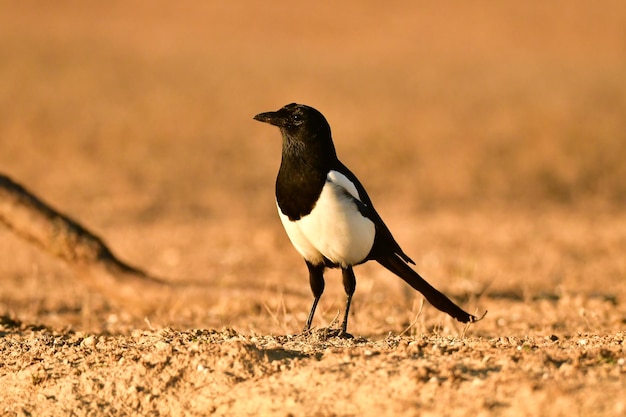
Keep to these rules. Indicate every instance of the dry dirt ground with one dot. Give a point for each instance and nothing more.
(490, 135)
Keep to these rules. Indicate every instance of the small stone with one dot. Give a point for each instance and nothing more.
(89, 341)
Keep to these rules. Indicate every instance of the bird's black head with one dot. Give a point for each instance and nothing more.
(295, 117)
(300, 124)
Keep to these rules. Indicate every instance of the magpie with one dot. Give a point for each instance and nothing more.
(328, 216)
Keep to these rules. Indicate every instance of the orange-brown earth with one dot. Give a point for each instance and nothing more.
(491, 137)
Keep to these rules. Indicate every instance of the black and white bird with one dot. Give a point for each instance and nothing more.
(328, 215)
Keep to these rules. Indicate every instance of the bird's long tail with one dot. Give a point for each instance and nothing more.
(436, 298)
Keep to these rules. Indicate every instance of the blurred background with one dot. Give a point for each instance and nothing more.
(477, 127)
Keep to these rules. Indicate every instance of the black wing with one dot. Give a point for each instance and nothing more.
(384, 242)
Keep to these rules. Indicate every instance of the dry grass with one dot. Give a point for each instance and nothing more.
(490, 135)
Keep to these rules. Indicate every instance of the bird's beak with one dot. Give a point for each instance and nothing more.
(271, 117)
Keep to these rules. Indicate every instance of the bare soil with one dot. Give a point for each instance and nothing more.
(490, 137)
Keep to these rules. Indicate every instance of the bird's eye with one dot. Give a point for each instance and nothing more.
(296, 119)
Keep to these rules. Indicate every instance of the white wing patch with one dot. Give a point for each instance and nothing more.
(335, 228)
(342, 181)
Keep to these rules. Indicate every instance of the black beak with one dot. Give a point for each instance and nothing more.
(271, 117)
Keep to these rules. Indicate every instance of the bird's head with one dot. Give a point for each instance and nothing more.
(299, 123)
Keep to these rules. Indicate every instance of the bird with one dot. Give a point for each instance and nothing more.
(329, 217)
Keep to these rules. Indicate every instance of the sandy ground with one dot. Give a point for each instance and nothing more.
(490, 136)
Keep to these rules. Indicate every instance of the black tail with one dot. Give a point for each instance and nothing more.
(436, 298)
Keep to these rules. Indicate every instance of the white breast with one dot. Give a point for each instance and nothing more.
(335, 228)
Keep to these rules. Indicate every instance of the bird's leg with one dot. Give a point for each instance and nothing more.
(316, 279)
(349, 284)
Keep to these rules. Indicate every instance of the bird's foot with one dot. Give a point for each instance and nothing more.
(344, 335)
(339, 333)
(325, 333)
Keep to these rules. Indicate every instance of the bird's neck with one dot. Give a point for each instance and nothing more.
(314, 155)
(302, 175)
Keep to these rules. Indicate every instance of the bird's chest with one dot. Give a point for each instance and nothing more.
(298, 187)
(334, 228)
